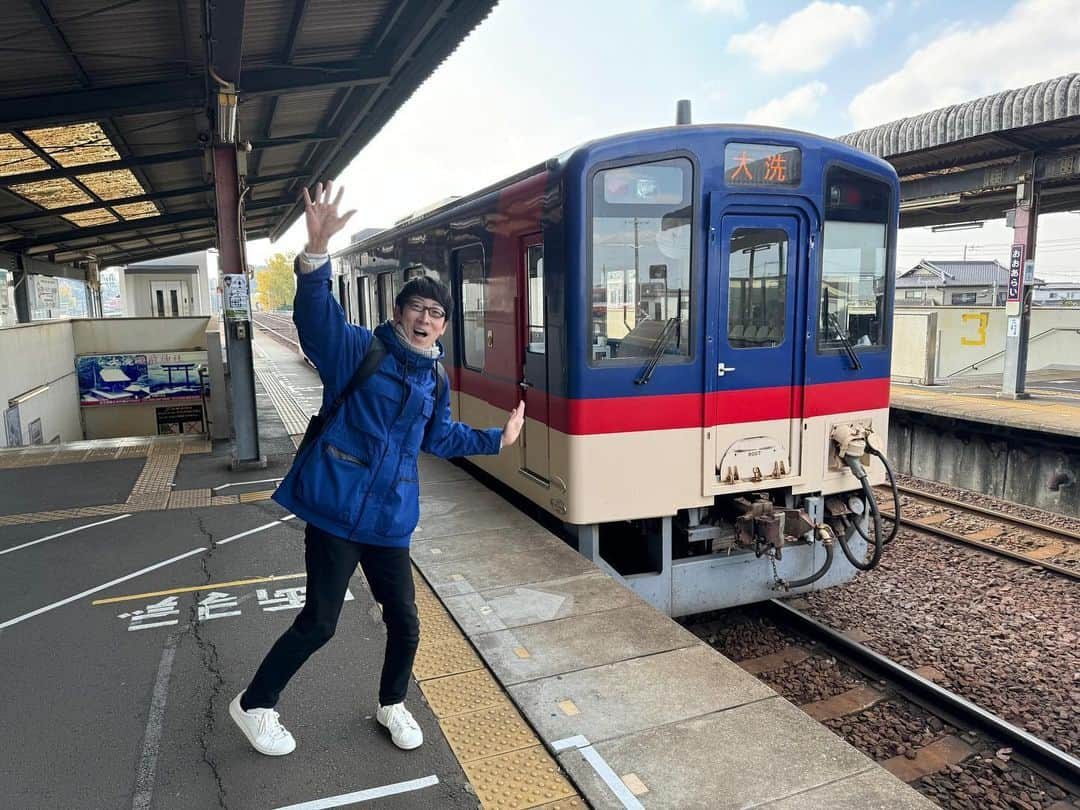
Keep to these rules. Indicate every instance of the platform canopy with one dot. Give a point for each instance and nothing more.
(108, 107)
(963, 162)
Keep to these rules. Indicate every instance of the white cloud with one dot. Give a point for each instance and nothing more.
(799, 104)
(807, 40)
(736, 8)
(963, 64)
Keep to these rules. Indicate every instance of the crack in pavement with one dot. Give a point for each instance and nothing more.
(211, 663)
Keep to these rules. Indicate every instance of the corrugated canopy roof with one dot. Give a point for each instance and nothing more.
(107, 109)
(962, 162)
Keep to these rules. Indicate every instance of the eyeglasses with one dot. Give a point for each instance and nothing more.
(436, 313)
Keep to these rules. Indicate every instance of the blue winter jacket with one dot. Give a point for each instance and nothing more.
(359, 479)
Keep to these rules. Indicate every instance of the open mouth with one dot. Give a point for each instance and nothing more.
(420, 333)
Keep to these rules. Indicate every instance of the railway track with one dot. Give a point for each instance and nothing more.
(953, 751)
(278, 327)
(1018, 538)
(1056, 765)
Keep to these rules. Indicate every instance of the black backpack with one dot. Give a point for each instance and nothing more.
(374, 355)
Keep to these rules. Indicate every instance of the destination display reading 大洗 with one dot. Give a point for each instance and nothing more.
(761, 164)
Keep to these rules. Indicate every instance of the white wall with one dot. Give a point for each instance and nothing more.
(38, 354)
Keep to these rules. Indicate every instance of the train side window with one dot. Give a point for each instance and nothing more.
(534, 259)
(474, 319)
(757, 287)
(385, 294)
(640, 255)
(854, 301)
(363, 312)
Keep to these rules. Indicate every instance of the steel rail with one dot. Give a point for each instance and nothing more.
(273, 331)
(956, 537)
(982, 510)
(1059, 766)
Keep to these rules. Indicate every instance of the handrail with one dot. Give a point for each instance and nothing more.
(975, 366)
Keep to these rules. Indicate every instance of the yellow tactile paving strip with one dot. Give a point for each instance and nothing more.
(503, 758)
(100, 450)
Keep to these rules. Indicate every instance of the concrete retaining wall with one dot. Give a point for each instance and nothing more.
(1014, 465)
(939, 342)
(35, 355)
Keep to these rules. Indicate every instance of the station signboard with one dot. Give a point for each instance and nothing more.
(1016, 271)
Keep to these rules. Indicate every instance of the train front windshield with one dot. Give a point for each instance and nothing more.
(854, 301)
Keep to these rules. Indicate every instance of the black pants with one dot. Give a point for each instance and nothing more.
(330, 562)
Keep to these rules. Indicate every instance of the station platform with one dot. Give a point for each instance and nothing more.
(142, 581)
(1053, 406)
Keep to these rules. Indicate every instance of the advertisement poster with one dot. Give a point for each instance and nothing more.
(236, 301)
(13, 426)
(125, 379)
(36, 434)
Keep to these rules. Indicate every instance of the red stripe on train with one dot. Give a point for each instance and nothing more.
(673, 411)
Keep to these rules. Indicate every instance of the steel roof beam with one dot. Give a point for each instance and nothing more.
(1048, 167)
(113, 228)
(90, 206)
(180, 94)
(226, 45)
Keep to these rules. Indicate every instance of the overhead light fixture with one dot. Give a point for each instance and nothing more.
(226, 113)
(25, 395)
(929, 202)
(957, 226)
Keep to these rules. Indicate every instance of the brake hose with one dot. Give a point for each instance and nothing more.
(787, 585)
(878, 542)
(895, 492)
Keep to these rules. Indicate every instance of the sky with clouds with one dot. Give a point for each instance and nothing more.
(537, 78)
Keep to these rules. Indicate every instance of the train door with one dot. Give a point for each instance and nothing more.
(753, 380)
(534, 378)
(363, 302)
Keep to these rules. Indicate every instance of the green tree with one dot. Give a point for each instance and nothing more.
(276, 282)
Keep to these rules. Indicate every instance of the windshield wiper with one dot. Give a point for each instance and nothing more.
(846, 343)
(659, 344)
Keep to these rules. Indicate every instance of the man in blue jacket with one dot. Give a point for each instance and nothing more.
(356, 485)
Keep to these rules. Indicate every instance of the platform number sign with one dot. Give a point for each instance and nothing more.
(1016, 271)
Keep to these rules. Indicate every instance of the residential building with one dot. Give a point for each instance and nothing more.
(1057, 294)
(953, 283)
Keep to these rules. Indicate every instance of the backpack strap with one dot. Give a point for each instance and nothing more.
(441, 383)
(373, 356)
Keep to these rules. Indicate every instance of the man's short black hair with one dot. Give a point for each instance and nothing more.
(426, 287)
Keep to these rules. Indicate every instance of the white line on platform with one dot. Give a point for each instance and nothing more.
(242, 483)
(61, 534)
(262, 528)
(365, 795)
(124, 578)
(144, 776)
(603, 770)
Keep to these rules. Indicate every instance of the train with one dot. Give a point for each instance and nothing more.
(699, 320)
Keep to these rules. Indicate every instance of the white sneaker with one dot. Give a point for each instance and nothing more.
(263, 730)
(404, 730)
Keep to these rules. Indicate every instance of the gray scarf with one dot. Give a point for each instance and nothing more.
(432, 353)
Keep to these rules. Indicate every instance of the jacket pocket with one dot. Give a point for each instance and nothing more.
(401, 509)
(333, 481)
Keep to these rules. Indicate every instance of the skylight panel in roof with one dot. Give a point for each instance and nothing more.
(75, 145)
(113, 185)
(86, 219)
(56, 193)
(137, 210)
(16, 158)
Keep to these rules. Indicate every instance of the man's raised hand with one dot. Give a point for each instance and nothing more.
(321, 216)
(513, 425)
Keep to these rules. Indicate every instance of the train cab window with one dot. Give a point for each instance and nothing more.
(534, 260)
(854, 296)
(385, 295)
(757, 287)
(473, 300)
(641, 229)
